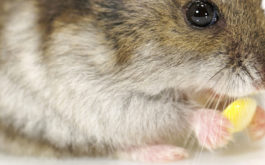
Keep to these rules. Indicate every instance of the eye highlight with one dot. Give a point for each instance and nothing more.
(202, 13)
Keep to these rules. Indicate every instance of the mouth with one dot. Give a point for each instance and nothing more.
(209, 99)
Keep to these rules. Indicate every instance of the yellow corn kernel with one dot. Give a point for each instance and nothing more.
(240, 113)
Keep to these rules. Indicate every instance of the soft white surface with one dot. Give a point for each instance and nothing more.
(240, 153)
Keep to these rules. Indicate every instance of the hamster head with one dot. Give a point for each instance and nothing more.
(195, 44)
(227, 50)
(228, 45)
(200, 44)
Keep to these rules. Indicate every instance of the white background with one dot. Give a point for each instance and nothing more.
(240, 153)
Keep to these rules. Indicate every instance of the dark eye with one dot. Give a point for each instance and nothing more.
(202, 13)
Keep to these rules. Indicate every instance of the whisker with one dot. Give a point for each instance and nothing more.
(247, 72)
(208, 101)
(198, 155)
(217, 73)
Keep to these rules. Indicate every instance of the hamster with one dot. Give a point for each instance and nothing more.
(115, 78)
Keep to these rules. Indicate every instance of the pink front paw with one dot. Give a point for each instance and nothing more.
(256, 129)
(211, 129)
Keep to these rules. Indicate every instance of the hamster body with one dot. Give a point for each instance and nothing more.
(100, 77)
